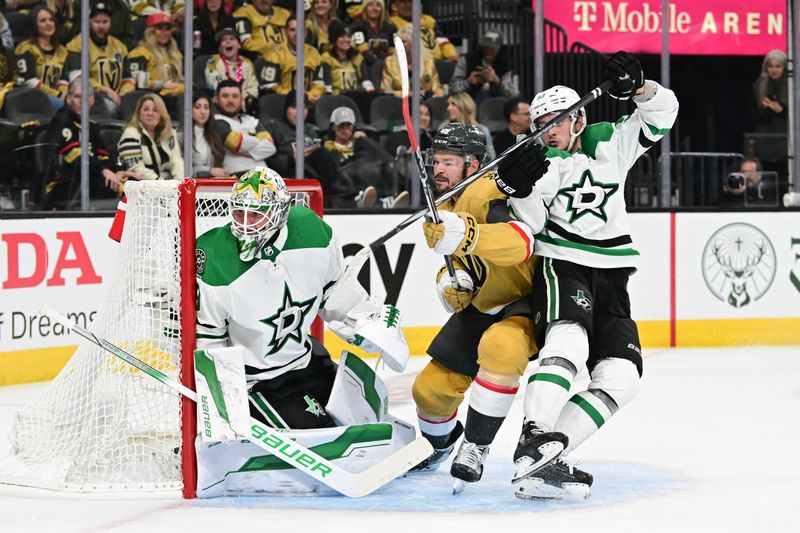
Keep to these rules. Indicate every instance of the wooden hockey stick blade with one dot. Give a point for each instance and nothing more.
(354, 485)
(589, 97)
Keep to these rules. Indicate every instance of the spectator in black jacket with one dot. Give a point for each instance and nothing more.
(208, 21)
(517, 113)
(485, 72)
(62, 187)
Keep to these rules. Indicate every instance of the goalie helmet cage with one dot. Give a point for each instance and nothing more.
(100, 425)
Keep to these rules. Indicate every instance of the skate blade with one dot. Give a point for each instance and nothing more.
(458, 486)
(533, 488)
(526, 467)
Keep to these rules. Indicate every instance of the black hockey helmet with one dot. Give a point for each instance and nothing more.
(462, 139)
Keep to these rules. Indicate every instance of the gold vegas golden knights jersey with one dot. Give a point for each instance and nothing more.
(344, 76)
(260, 34)
(106, 63)
(440, 46)
(502, 262)
(41, 70)
(276, 72)
(139, 60)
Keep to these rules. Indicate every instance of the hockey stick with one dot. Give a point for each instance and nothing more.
(591, 96)
(277, 443)
(402, 62)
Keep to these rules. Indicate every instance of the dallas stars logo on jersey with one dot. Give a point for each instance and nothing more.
(287, 322)
(588, 196)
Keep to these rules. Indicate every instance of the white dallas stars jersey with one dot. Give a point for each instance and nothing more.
(584, 192)
(266, 305)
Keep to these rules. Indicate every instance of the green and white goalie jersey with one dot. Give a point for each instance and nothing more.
(586, 221)
(266, 305)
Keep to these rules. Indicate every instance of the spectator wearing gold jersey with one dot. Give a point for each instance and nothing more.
(121, 22)
(228, 64)
(318, 21)
(432, 38)
(106, 57)
(276, 71)
(372, 33)
(261, 27)
(41, 57)
(428, 78)
(149, 146)
(156, 63)
(348, 70)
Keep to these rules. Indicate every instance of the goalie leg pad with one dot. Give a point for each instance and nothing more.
(438, 391)
(358, 395)
(240, 468)
(222, 411)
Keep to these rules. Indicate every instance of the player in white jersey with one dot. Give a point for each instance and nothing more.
(580, 296)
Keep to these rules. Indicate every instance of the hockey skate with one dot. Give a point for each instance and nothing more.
(440, 455)
(536, 448)
(468, 464)
(556, 480)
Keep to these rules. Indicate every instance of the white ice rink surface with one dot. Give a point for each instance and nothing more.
(710, 444)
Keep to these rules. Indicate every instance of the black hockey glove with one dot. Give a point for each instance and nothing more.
(626, 72)
(521, 169)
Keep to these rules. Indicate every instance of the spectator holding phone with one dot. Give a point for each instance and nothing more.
(485, 72)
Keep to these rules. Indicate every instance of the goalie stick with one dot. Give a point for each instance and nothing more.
(402, 61)
(354, 485)
(589, 97)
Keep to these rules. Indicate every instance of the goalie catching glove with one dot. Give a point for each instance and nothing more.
(455, 299)
(457, 234)
(375, 331)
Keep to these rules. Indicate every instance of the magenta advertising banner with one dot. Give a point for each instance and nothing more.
(697, 27)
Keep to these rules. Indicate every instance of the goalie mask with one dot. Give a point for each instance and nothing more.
(259, 206)
(556, 99)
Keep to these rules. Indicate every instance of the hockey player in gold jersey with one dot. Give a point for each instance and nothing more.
(260, 26)
(488, 340)
(276, 71)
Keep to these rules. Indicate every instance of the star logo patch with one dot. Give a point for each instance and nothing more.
(588, 196)
(313, 406)
(287, 322)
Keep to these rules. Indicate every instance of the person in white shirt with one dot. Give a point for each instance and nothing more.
(247, 143)
(207, 143)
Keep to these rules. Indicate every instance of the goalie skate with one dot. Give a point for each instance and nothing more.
(555, 481)
(536, 449)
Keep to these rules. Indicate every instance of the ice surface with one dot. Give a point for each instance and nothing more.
(710, 444)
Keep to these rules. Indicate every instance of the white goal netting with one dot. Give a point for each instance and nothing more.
(101, 425)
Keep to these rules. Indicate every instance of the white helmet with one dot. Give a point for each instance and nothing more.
(259, 206)
(555, 99)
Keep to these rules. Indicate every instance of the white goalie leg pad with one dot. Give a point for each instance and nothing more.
(384, 332)
(564, 354)
(240, 468)
(358, 395)
(222, 403)
(614, 384)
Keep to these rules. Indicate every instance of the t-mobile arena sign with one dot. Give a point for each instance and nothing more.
(697, 27)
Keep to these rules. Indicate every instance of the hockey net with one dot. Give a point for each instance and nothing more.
(101, 425)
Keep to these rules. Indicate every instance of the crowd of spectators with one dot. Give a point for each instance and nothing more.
(243, 108)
